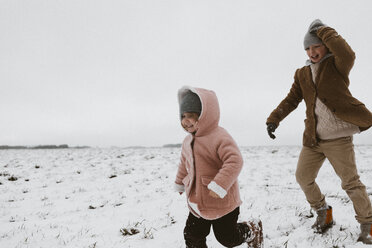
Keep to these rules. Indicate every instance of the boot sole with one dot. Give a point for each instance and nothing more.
(324, 229)
(365, 240)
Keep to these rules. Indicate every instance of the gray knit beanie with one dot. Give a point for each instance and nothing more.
(310, 37)
(190, 103)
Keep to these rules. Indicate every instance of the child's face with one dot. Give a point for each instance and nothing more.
(316, 52)
(189, 122)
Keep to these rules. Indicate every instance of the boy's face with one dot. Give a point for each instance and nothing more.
(316, 52)
(189, 121)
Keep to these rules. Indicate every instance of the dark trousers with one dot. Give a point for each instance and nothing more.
(226, 229)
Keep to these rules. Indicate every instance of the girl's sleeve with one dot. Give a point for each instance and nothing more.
(232, 160)
(344, 55)
(181, 174)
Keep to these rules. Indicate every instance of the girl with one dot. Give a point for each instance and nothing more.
(208, 172)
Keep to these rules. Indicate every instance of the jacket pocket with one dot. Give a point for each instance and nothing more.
(211, 202)
(186, 181)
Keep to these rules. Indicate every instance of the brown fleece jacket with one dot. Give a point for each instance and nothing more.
(332, 88)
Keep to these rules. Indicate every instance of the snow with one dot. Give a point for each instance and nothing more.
(97, 197)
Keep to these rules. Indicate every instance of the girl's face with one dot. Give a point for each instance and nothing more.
(316, 52)
(189, 122)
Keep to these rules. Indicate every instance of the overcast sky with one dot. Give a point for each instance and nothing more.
(106, 73)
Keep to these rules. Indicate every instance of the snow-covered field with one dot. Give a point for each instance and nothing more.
(103, 197)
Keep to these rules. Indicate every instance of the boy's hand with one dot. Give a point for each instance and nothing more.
(315, 25)
(270, 129)
(214, 195)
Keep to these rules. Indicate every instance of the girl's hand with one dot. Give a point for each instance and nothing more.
(214, 195)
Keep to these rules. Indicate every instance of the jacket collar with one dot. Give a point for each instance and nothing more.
(308, 62)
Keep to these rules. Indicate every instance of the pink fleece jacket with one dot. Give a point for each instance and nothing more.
(210, 160)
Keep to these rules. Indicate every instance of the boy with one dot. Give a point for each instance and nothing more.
(333, 116)
(208, 171)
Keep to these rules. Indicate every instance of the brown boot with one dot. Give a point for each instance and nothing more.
(365, 233)
(324, 220)
(254, 237)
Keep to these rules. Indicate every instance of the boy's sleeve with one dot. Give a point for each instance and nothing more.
(231, 157)
(289, 103)
(344, 55)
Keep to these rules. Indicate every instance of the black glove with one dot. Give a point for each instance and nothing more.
(270, 129)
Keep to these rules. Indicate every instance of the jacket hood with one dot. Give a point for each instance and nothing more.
(210, 112)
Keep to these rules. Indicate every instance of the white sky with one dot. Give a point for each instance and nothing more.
(104, 73)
